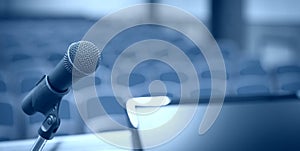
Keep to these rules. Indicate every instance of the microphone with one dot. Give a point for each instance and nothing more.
(81, 59)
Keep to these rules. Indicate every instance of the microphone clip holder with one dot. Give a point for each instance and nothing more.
(50, 124)
(48, 128)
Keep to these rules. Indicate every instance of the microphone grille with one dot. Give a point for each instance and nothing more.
(82, 58)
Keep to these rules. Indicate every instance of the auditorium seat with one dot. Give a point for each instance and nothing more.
(8, 127)
(253, 80)
(288, 78)
(206, 82)
(146, 74)
(133, 79)
(204, 74)
(173, 84)
(20, 61)
(27, 80)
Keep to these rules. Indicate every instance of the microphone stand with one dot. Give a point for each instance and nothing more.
(48, 128)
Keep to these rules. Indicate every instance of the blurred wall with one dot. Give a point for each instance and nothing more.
(273, 28)
(91, 8)
(272, 11)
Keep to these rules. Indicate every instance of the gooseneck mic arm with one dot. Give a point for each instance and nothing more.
(82, 58)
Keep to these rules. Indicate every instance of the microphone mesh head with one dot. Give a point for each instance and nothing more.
(82, 58)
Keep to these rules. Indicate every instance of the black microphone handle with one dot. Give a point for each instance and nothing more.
(42, 98)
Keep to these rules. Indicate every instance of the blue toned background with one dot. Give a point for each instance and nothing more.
(259, 40)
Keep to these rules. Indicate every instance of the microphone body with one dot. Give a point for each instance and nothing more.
(60, 79)
(50, 89)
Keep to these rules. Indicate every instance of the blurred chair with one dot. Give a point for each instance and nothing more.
(206, 76)
(206, 84)
(8, 127)
(22, 61)
(173, 84)
(29, 81)
(140, 78)
(253, 80)
(288, 78)
(134, 79)
(113, 118)
(137, 83)
(204, 72)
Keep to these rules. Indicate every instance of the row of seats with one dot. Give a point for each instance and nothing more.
(143, 81)
(283, 79)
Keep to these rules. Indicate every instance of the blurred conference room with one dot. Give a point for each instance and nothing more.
(255, 42)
